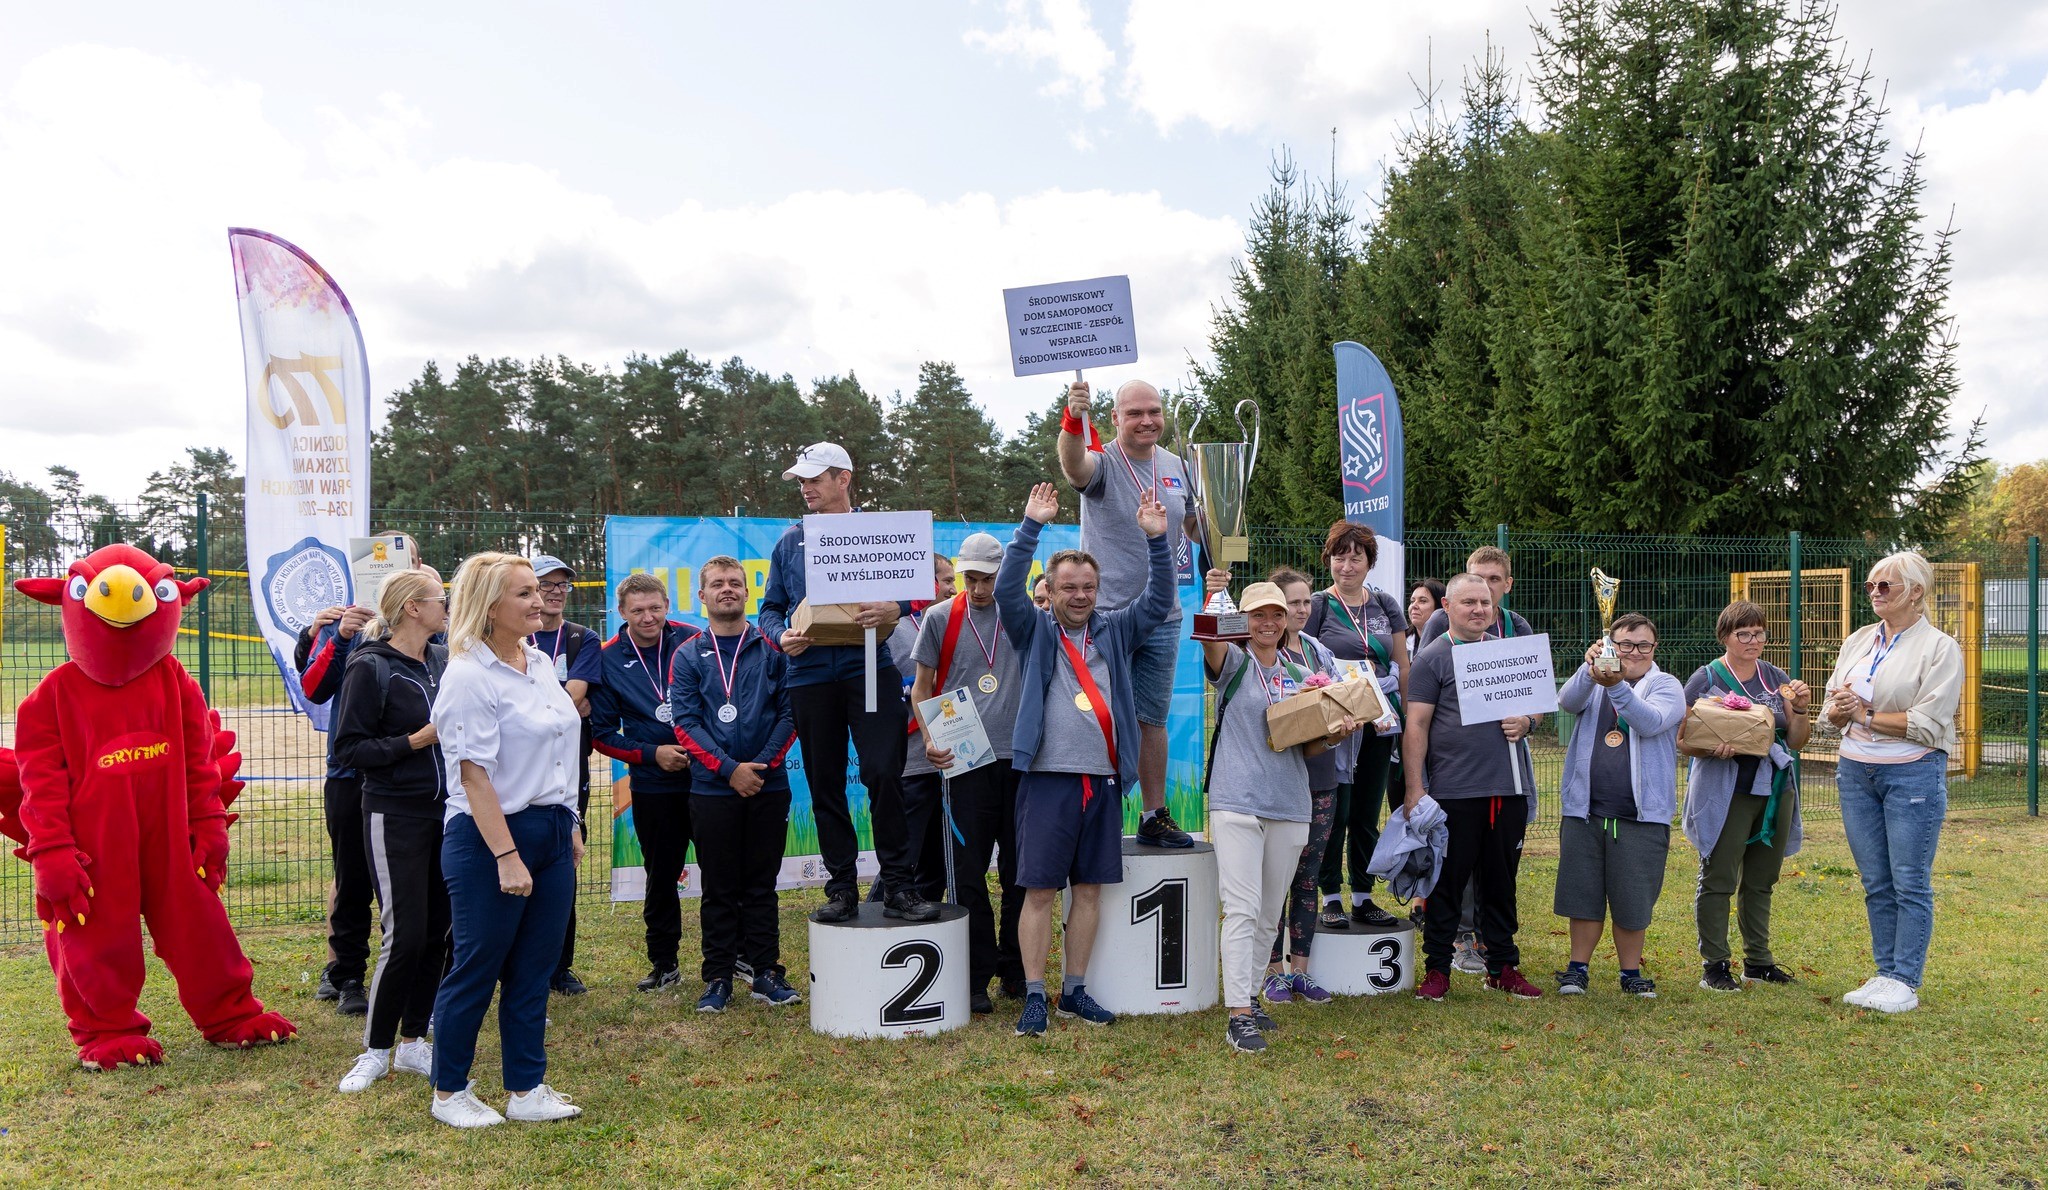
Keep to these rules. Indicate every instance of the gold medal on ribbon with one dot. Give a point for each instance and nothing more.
(1082, 704)
(1614, 739)
(988, 683)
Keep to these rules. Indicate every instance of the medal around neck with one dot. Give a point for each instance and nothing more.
(988, 684)
(727, 713)
(1605, 588)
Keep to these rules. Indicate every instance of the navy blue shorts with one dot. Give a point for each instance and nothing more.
(1070, 830)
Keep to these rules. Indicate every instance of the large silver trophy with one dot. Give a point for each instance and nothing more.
(1605, 588)
(1220, 475)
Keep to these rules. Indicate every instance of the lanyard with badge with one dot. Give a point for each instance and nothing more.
(662, 710)
(727, 712)
(1865, 684)
(989, 683)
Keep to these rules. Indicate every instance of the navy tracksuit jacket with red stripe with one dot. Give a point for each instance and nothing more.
(623, 723)
(765, 726)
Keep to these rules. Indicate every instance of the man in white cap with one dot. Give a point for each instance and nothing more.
(962, 646)
(828, 694)
(576, 656)
(1111, 480)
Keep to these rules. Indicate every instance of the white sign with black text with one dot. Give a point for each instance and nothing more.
(867, 557)
(1501, 678)
(1071, 325)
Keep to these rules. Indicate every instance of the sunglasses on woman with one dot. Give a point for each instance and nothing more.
(1883, 586)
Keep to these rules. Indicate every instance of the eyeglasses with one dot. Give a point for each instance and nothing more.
(553, 588)
(1754, 637)
(1634, 648)
(1884, 587)
(443, 601)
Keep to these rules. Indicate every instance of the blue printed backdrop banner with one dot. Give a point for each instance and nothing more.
(673, 548)
(1369, 439)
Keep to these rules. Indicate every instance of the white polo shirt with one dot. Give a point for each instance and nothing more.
(520, 728)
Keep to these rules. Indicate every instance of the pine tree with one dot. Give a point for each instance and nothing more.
(849, 415)
(948, 448)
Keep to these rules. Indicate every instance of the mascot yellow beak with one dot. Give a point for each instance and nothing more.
(120, 597)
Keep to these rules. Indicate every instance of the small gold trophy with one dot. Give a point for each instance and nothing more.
(1605, 586)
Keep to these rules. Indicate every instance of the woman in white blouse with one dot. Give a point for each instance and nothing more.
(509, 738)
(1893, 694)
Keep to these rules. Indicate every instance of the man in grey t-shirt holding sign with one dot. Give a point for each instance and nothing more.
(1110, 480)
(1486, 787)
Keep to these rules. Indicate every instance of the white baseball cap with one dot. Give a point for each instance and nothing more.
(817, 458)
(980, 554)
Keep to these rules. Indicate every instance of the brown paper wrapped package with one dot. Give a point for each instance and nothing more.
(1301, 718)
(1361, 700)
(829, 623)
(1708, 724)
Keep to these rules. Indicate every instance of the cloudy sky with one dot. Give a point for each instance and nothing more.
(817, 188)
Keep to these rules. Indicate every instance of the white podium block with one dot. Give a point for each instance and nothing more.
(879, 976)
(1158, 944)
(1364, 962)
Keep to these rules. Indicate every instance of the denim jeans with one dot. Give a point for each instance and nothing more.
(1892, 814)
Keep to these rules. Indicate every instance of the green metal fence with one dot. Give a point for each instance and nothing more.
(278, 871)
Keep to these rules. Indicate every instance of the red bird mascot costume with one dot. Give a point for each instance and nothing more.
(125, 780)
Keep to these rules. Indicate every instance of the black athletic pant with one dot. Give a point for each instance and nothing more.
(739, 854)
(348, 906)
(826, 714)
(1486, 846)
(583, 831)
(924, 816)
(1355, 830)
(985, 812)
(662, 821)
(405, 867)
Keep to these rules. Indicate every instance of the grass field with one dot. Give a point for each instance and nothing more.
(1778, 1087)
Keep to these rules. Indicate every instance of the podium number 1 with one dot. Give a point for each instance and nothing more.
(1168, 901)
(903, 1008)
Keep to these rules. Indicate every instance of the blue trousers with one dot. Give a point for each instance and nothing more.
(503, 939)
(1892, 814)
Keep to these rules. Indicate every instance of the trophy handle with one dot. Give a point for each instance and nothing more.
(1194, 427)
(1237, 414)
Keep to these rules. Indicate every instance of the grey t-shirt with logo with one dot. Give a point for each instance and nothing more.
(999, 710)
(1249, 777)
(1464, 761)
(1109, 521)
(1072, 741)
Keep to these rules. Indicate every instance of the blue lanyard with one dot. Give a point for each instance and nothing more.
(1883, 648)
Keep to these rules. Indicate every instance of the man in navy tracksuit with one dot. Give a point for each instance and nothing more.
(630, 721)
(731, 710)
(828, 693)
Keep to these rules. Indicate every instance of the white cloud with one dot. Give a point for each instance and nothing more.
(1295, 71)
(1056, 32)
(118, 338)
(1988, 161)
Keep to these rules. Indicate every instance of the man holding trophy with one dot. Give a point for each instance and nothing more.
(1111, 481)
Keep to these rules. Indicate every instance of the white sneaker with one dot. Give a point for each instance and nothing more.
(541, 1103)
(415, 1057)
(1893, 997)
(464, 1110)
(1861, 996)
(371, 1066)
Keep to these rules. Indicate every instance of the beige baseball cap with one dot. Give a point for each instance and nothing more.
(1260, 595)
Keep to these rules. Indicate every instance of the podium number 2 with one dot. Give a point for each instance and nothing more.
(1168, 901)
(903, 1008)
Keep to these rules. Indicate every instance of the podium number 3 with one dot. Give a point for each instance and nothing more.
(1388, 976)
(1168, 901)
(903, 1008)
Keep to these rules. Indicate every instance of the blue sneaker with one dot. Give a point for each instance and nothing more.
(1031, 1022)
(1306, 990)
(716, 995)
(1083, 1005)
(1278, 989)
(773, 990)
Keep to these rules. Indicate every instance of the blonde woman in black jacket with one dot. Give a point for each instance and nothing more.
(384, 730)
